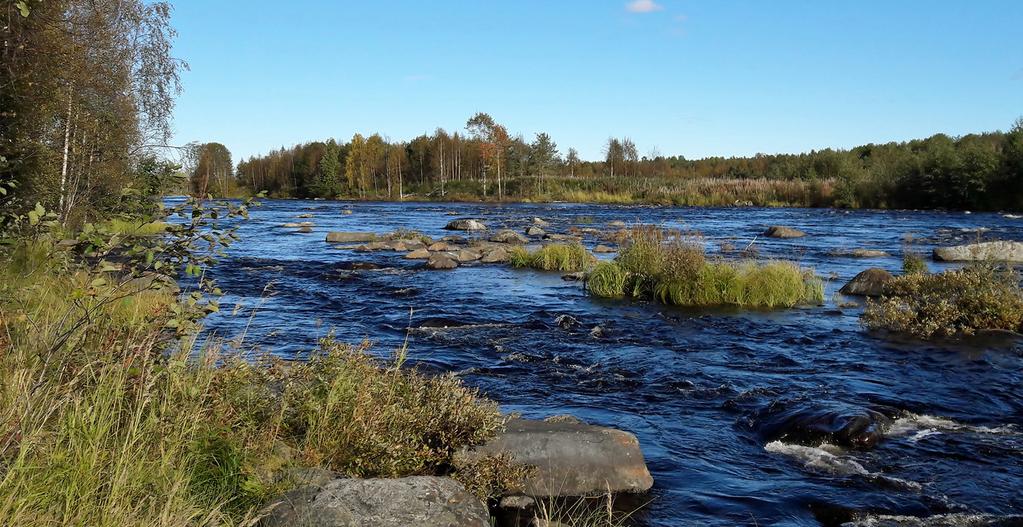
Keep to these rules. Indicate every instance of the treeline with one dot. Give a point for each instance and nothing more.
(87, 89)
(976, 171)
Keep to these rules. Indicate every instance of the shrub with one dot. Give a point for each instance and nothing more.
(553, 257)
(953, 303)
(913, 263)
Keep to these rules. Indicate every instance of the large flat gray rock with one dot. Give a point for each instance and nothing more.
(425, 501)
(350, 237)
(570, 458)
(998, 251)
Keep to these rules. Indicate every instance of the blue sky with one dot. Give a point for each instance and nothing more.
(695, 78)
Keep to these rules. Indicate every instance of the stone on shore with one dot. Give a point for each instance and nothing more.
(779, 231)
(570, 458)
(350, 237)
(465, 224)
(426, 501)
(441, 261)
(997, 251)
(867, 283)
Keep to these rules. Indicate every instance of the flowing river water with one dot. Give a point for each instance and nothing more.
(712, 394)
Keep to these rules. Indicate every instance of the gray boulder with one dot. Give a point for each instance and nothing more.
(778, 231)
(540, 222)
(535, 231)
(418, 254)
(467, 255)
(867, 283)
(860, 253)
(495, 255)
(604, 249)
(570, 458)
(999, 251)
(508, 236)
(426, 501)
(441, 261)
(465, 224)
(350, 237)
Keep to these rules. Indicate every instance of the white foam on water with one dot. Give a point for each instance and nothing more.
(921, 426)
(831, 459)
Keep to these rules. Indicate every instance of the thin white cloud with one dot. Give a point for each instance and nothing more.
(643, 6)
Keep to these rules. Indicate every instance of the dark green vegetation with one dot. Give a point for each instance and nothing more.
(976, 171)
(673, 269)
(954, 303)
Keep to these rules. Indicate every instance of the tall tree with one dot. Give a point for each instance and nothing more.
(543, 152)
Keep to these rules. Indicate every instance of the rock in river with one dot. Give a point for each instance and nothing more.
(426, 501)
(535, 231)
(441, 261)
(778, 231)
(465, 224)
(571, 459)
(867, 283)
(495, 255)
(999, 251)
(508, 236)
(350, 237)
(604, 249)
(418, 254)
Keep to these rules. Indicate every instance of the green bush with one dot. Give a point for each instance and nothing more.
(553, 257)
(913, 263)
(954, 303)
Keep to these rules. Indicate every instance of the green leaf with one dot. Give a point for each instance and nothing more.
(99, 282)
(22, 7)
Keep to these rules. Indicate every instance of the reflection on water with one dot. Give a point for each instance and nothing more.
(698, 387)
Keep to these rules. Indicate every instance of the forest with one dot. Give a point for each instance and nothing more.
(981, 171)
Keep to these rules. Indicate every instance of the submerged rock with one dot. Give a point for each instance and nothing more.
(814, 423)
(350, 237)
(860, 253)
(779, 231)
(465, 224)
(358, 266)
(570, 459)
(426, 501)
(870, 282)
(999, 251)
(574, 277)
(508, 236)
(441, 261)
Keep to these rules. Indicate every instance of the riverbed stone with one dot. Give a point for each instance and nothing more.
(426, 501)
(604, 249)
(418, 254)
(870, 282)
(296, 225)
(860, 253)
(440, 246)
(570, 459)
(577, 276)
(997, 251)
(467, 255)
(780, 231)
(540, 222)
(535, 231)
(441, 261)
(508, 236)
(616, 223)
(454, 239)
(465, 224)
(495, 255)
(350, 237)
(374, 246)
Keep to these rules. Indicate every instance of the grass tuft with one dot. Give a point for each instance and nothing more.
(553, 257)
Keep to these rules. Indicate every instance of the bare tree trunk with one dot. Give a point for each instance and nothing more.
(64, 163)
(401, 190)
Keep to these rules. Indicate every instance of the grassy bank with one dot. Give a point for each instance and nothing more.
(673, 269)
(111, 419)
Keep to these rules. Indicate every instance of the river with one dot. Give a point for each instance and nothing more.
(705, 390)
